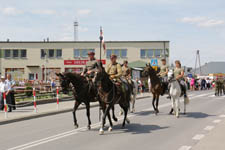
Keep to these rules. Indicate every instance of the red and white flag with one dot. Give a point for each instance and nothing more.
(103, 43)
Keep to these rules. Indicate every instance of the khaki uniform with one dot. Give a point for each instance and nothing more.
(114, 70)
(177, 72)
(163, 69)
(89, 65)
(126, 72)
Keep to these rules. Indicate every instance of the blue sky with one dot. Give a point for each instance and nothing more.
(188, 24)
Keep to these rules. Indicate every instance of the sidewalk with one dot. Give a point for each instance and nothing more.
(26, 113)
(214, 140)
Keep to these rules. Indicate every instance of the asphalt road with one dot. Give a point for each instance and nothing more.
(146, 131)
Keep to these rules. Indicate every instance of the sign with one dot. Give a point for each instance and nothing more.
(154, 62)
(79, 62)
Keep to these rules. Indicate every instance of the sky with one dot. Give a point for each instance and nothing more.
(189, 25)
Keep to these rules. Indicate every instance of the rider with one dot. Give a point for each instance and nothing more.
(114, 70)
(126, 75)
(90, 65)
(164, 68)
(179, 75)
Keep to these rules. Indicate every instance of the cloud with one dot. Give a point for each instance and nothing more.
(11, 11)
(202, 21)
(82, 12)
(44, 12)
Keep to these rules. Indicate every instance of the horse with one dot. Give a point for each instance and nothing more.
(83, 92)
(156, 86)
(110, 93)
(134, 95)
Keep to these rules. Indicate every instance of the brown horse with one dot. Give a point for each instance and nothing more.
(156, 87)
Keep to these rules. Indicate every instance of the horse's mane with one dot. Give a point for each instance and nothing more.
(75, 77)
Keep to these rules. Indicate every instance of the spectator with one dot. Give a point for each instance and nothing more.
(203, 84)
(5, 88)
(10, 84)
(192, 84)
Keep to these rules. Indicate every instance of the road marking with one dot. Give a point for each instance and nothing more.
(217, 121)
(198, 137)
(76, 131)
(185, 148)
(211, 96)
(222, 116)
(208, 128)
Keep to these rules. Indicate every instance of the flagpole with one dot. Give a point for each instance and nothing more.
(100, 38)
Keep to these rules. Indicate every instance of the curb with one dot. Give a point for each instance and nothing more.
(50, 113)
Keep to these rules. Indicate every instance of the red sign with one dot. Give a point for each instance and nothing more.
(79, 62)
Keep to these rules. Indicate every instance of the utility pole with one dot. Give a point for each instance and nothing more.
(197, 60)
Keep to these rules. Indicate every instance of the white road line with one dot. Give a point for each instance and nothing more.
(222, 116)
(185, 148)
(198, 137)
(212, 96)
(208, 128)
(217, 121)
(75, 131)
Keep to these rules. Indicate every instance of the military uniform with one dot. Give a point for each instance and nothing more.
(162, 73)
(114, 70)
(177, 72)
(89, 66)
(126, 72)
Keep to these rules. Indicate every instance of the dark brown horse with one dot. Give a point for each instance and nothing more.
(110, 94)
(83, 92)
(156, 87)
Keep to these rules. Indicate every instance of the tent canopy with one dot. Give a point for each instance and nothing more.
(137, 64)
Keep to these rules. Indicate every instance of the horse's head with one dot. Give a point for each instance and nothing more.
(148, 70)
(170, 75)
(99, 74)
(64, 82)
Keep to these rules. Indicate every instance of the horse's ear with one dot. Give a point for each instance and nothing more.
(147, 65)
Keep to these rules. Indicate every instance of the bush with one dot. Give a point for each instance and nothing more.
(29, 91)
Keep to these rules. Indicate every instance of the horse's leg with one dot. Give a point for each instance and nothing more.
(133, 102)
(125, 109)
(157, 104)
(101, 131)
(174, 106)
(76, 105)
(113, 113)
(88, 115)
(110, 122)
(177, 107)
(153, 103)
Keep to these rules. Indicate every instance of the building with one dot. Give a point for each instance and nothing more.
(212, 69)
(40, 59)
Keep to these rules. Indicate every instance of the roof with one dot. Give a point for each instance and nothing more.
(82, 41)
(211, 68)
(137, 64)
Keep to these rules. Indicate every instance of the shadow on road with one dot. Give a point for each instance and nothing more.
(144, 113)
(197, 115)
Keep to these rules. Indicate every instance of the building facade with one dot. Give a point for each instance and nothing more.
(41, 60)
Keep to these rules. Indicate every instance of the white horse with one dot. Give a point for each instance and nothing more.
(134, 95)
(175, 93)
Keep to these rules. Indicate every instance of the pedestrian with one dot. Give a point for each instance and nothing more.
(192, 84)
(10, 85)
(4, 89)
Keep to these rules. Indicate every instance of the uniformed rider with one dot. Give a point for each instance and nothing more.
(126, 75)
(90, 66)
(164, 69)
(179, 75)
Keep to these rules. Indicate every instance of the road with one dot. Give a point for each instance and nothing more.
(146, 131)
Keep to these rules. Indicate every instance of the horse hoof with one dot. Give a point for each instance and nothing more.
(110, 129)
(89, 127)
(101, 132)
(133, 110)
(115, 119)
(128, 121)
(76, 126)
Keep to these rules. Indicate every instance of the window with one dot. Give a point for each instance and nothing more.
(108, 53)
(157, 53)
(23, 53)
(51, 53)
(143, 53)
(84, 53)
(7, 53)
(58, 53)
(76, 53)
(117, 52)
(43, 53)
(31, 76)
(123, 53)
(15, 53)
(150, 53)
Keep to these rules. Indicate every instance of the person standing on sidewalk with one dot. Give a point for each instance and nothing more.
(4, 88)
(10, 84)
